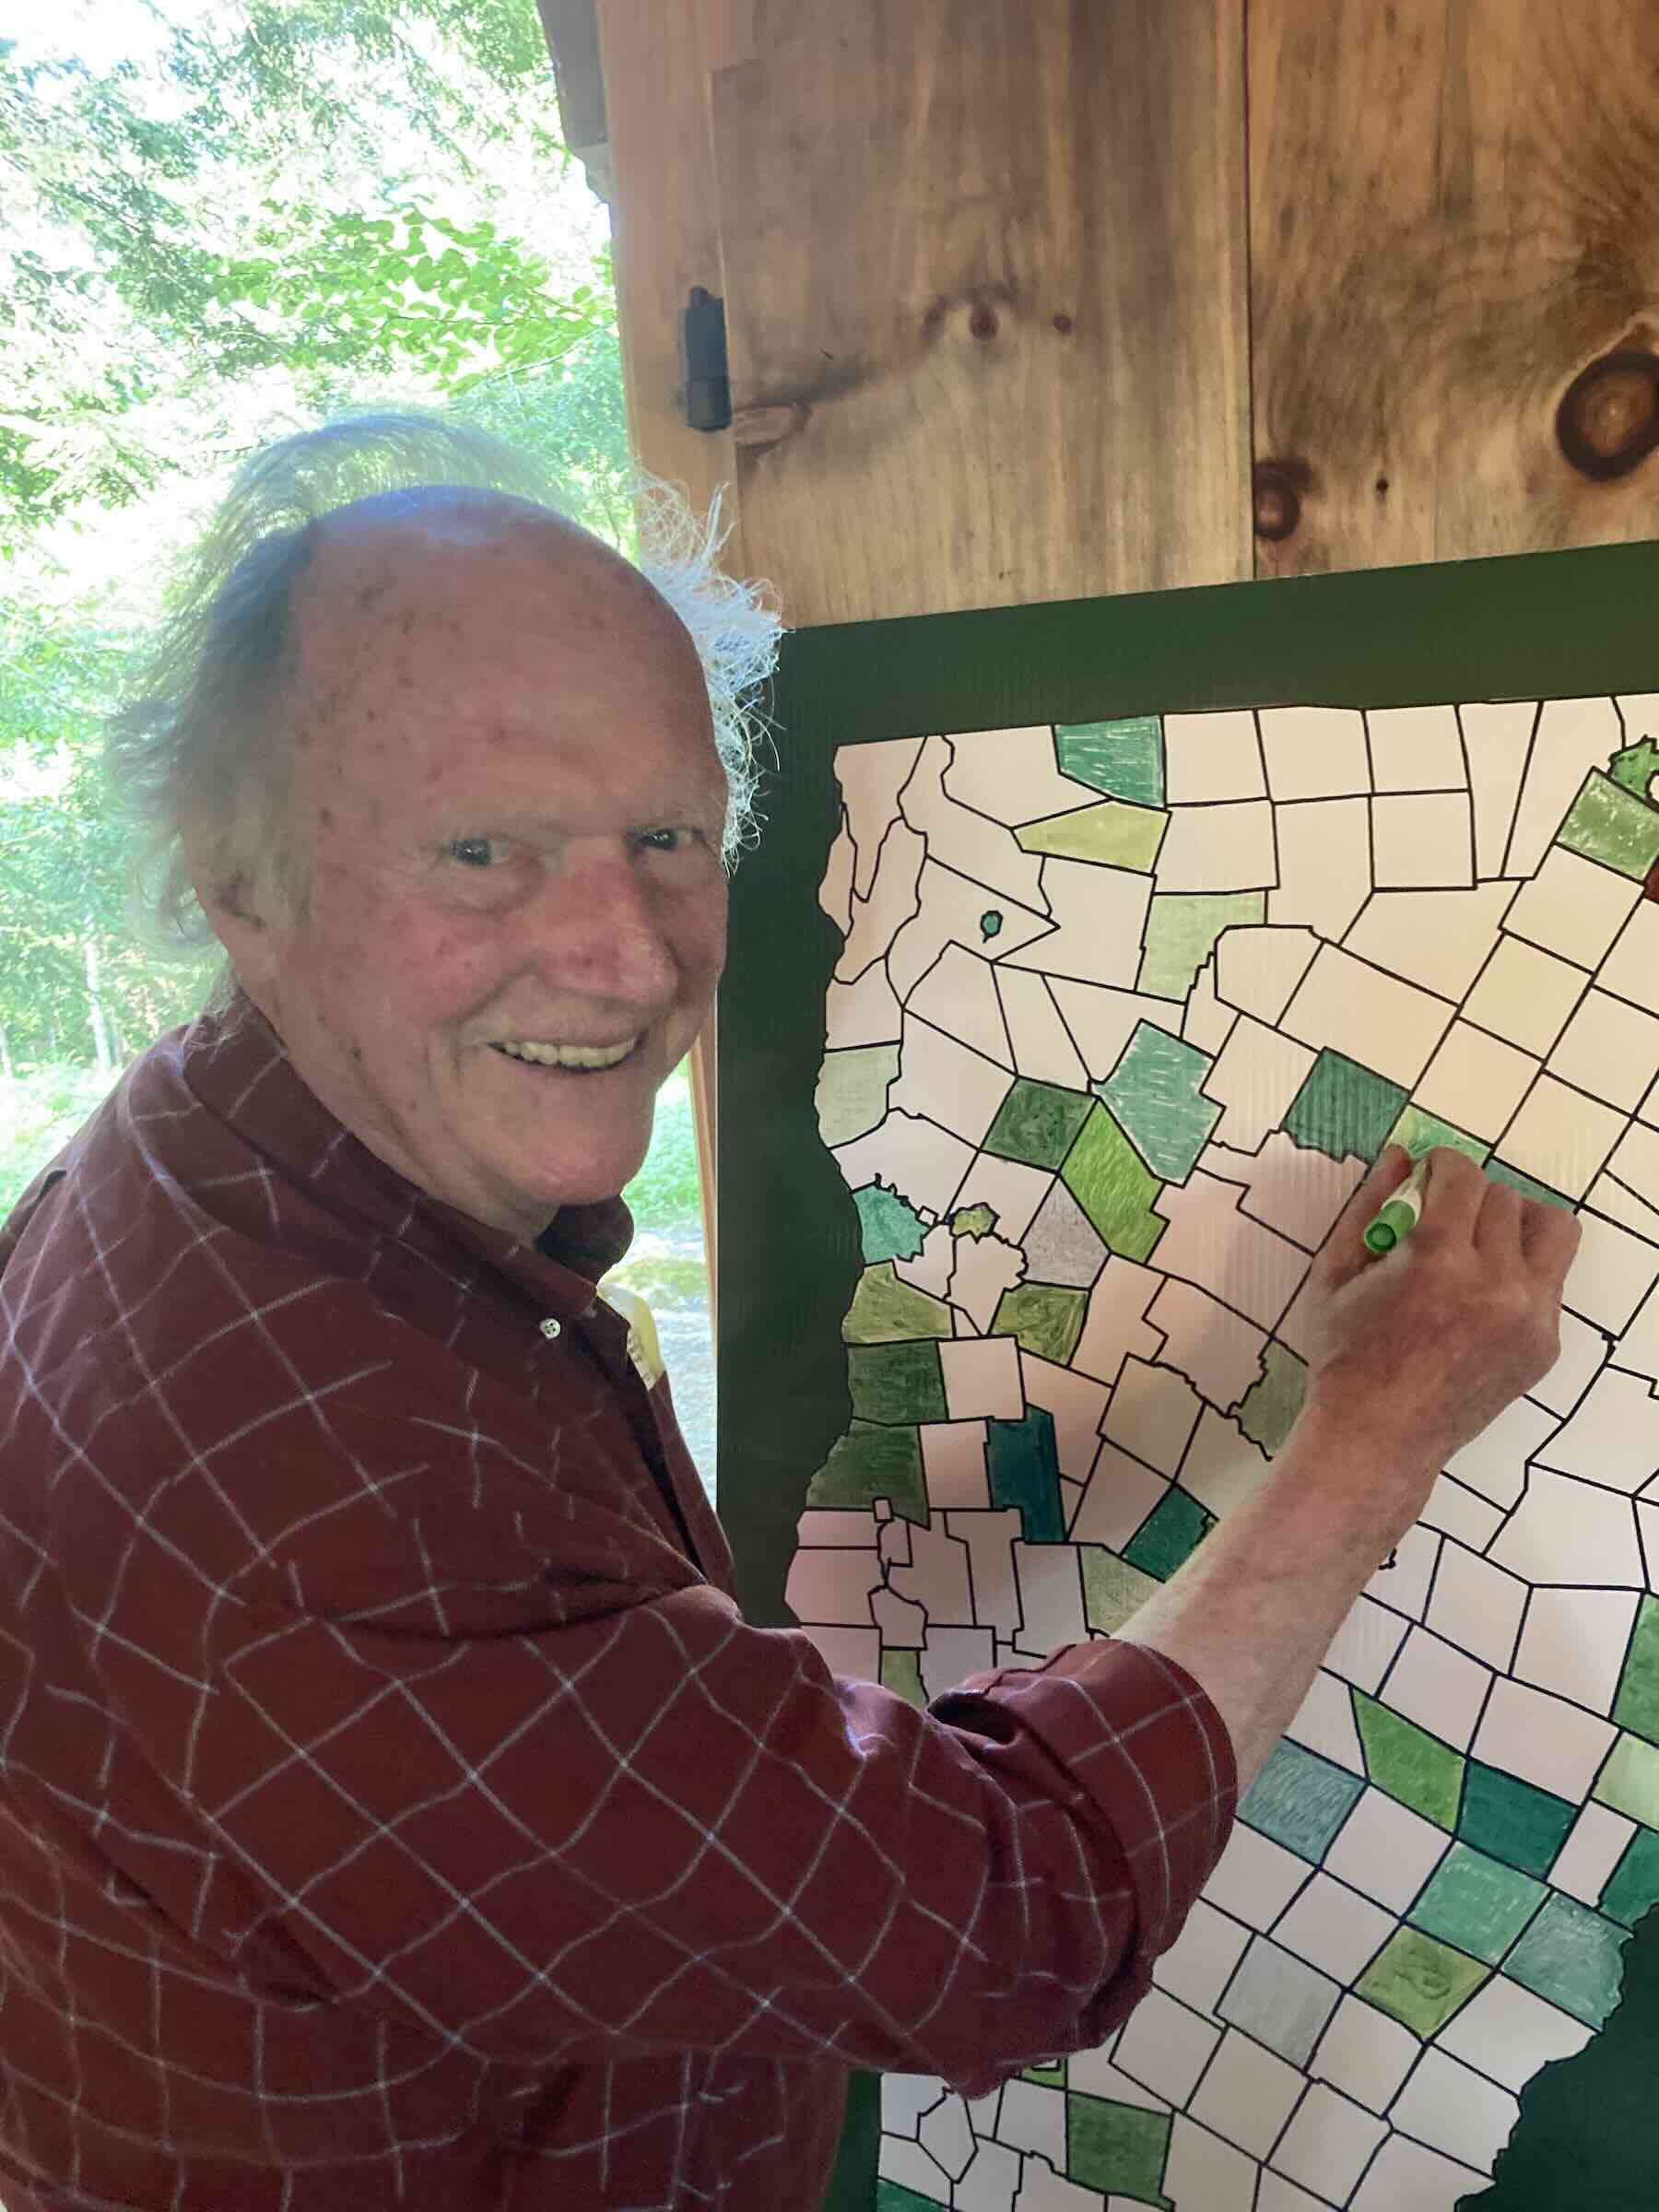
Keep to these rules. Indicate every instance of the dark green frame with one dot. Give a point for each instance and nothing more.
(1541, 626)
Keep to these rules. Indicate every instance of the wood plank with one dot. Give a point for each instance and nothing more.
(987, 299)
(665, 235)
(1454, 205)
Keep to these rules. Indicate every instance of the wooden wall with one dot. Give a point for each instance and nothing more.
(1042, 299)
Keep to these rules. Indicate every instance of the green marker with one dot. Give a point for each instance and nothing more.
(1399, 1214)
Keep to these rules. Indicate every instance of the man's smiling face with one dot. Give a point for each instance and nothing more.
(505, 772)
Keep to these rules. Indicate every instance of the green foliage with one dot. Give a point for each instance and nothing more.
(281, 205)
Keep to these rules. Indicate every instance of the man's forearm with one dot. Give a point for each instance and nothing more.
(1253, 1610)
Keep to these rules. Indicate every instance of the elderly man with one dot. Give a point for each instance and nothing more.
(395, 1809)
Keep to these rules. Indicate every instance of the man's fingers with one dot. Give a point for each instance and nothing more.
(1498, 1229)
(1549, 1240)
(1342, 1254)
(1453, 1198)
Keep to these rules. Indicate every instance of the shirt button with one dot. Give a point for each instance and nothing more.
(551, 1328)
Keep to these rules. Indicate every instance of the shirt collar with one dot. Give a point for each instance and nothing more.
(236, 1064)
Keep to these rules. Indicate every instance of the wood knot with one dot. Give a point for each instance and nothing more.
(1607, 423)
(982, 322)
(1278, 487)
(1063, 324)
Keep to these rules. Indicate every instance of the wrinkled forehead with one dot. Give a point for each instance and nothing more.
(480, 575)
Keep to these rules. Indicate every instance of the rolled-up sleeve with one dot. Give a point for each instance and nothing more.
(662, 1829)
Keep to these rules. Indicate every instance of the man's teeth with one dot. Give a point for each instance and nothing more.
(570, 1055)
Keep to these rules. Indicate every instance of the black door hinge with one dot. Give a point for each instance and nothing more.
(705, 386)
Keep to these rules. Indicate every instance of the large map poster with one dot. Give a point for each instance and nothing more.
(1120, 1012)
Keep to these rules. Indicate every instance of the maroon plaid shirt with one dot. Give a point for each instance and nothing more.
(395, 1809)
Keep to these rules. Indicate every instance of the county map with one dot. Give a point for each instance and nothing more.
(1121, 1013)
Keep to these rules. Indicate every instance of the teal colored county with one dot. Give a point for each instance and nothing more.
(1181, 929)
(1637, 1705)
(870, 1462)
(1477, 1904)
(896, 1383)
(1111, 1589)
(851, 1095)
(1634, 1887)
(1124, 759)
(1500, 1171)
(1420, 1132)
(1036, 1123)
(1613, 826)
(893, 2196)
(1116, 2148)
(1344, 1109)
(1419, 1981)
(1630, 1780)
(884, 1310)
(1512, 1820)
(1154, 1097)
(1114, 1187)
(1301, 1800)
(1170, 1532)
(890, 1229)
(1113, 834)
(1408, 1763)
(1046, 1318)
(1268, 1410)
(1572, 1957)
(1024, 1471)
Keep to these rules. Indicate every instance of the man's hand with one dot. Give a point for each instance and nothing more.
(1414, 1354)
(1419, 1351)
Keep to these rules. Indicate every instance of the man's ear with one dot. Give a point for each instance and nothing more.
(226, 897)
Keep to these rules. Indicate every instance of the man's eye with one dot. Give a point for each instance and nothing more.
(472, 852)
(667, 840)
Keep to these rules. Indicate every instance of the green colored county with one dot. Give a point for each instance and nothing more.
(1409, 1763)
(852, 1093)
(1511, 1819)
(1047, 1318)
(1477, 1904)
(1635, 767)
(872, 1462)
(890, 1227)
(1115, 1188)
(1301, 1800)
(1051, 2076)
(884, 1310)
(1116, 2148)
(1630, 1780)
(1419, 1981)
(1111, 1589)
(1124, 759)
(1115, 835)
(1023, 1468)
(1613, 826)
(893, 2196)
(1181, 929)
(1637, 1705)
(974, 1221)
(1633, 1889)
(897, 1383)
(1170, 1533)
(1268, 1409)
(1344, 1109)
(1500, 1171)
(1420, 1132)
(1572, 1957)
(1154, 1097)
(901, 1673)
(1036, 1123)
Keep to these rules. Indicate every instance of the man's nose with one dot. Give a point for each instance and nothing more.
(602, 932)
